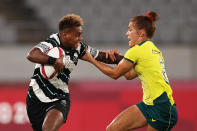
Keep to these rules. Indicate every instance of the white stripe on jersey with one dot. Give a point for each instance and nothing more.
(55, 36)
(59, 85)
(39, 93)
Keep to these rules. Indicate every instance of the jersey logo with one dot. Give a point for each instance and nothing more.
(153, 120)
(155, 51)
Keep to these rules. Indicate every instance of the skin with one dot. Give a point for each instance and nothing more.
(70, 38)
(53, 120)
(132, 117)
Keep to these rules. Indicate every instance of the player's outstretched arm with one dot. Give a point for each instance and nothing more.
(113, 72)
(108, 57)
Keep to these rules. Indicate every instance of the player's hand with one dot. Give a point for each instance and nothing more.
(59, 65)
(111, 54)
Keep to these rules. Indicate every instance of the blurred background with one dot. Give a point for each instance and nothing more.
(96, 99)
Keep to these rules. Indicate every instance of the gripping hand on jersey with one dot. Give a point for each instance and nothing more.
(59, 65)
(112, 54)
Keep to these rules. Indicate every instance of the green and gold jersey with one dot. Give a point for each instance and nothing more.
(149, 65)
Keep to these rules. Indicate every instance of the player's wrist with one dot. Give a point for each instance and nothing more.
(51, 60)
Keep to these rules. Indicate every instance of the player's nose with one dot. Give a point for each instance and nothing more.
(80, 38)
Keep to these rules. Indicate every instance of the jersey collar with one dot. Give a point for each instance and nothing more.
(142, 42)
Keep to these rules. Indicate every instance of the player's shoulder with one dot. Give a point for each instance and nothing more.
(141, 47)
(81, 49)
(53, 40)
(54, 36)
(145, 44)
(83, 44)
(133, 49)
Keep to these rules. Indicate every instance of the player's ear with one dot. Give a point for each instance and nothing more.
(142, 33)
(66, 35)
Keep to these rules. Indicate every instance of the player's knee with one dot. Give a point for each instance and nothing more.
(110, 128)
(44, 128)
(47, 128)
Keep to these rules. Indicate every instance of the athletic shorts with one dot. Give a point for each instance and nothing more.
(36, 110)
(162, 115)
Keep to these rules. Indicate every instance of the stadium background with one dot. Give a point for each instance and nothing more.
(96, 99)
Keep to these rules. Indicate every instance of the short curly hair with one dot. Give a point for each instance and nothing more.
(70, 21)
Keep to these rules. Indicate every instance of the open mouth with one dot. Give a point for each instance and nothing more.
(129, 38)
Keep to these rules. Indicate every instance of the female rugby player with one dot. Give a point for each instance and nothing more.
(143, 60)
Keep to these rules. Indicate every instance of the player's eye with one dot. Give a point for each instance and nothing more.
(78, 34)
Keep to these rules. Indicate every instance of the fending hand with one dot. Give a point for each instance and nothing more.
(112, 54)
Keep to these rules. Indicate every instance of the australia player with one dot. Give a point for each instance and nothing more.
(144, 60)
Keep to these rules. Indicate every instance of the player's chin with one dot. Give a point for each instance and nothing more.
(130, 44)
(76, 45)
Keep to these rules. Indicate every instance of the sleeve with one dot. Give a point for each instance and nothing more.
(44, 46)
(131, 55)
(94, 52)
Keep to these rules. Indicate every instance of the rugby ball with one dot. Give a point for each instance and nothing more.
(48, 71)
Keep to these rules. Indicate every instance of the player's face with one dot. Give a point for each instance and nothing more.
(73, 37)
(132, 34)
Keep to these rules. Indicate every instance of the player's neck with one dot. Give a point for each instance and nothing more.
(142, 40)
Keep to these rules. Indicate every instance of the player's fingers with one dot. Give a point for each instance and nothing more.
(62, 67)
(112, 55)
(56, 69)
(59, 65)
(61, 70)
(107, 54)
(102, 51)
(116, 52)
(61, 57)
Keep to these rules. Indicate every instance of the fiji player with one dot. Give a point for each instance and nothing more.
(143, 60)
(48, 100)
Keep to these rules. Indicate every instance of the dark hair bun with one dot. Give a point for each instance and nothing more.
(152, 15)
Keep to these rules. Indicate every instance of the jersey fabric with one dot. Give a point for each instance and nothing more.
(149, 66)
(49, 90)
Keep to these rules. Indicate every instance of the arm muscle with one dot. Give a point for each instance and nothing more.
(37, 56)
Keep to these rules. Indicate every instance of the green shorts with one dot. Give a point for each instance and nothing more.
(162, 115)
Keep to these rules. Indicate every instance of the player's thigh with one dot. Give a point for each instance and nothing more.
(128, 119)
(53, 120)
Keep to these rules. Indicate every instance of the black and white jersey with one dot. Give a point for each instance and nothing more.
(48, 90)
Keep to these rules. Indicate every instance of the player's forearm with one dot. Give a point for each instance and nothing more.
(102, 57)
(36, 56)
(130, 75)
(107, 70)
